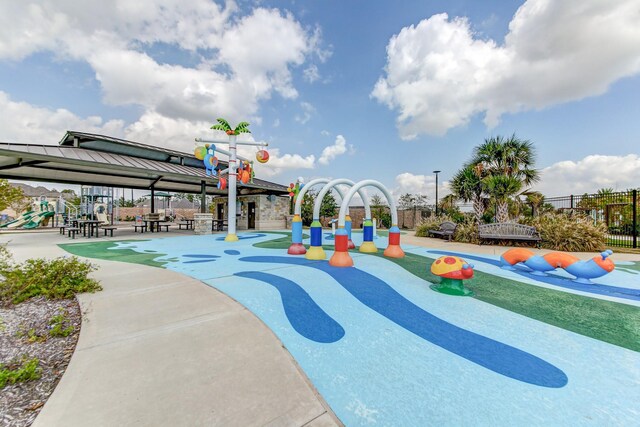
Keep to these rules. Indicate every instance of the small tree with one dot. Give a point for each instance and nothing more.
(328, 207)
(306, 211)
(9, 194)
(406, 201)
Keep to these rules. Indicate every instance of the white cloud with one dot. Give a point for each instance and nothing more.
(439, 73)
(330, 152)
(408, 182)
(21, 122)
(307, 111)
(241, 60)
(590, 174)
(311, 73)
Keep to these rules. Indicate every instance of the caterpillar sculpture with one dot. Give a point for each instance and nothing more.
(583, 270)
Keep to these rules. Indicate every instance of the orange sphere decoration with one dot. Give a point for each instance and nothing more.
(244, 178)
(262, 156)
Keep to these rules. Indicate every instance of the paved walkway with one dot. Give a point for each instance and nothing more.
(159, 348)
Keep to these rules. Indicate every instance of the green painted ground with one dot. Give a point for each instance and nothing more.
(607, 321)
(104, 250)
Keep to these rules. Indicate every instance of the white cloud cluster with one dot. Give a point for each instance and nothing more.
(21, 122)
(590, 174)
(240, 60)
(408, 182)
(330, 152)
(439, 73)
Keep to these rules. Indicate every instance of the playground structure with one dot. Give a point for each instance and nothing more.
(539, 265)
(452, 271)
(39, 215)
(343, 242)
(229, 176)
(93, 196)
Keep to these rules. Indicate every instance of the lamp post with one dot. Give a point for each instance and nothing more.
(437, 172)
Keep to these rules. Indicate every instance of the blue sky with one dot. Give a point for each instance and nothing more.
(357, 89)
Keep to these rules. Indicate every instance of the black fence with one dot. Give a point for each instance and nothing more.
(618, 211)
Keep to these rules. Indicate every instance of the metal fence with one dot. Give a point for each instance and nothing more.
(618, 211)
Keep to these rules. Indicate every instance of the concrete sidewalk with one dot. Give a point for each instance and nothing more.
(158, 348)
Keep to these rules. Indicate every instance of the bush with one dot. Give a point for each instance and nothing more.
(60, 278)
(26, 371)
(575, 233)
(467, 231)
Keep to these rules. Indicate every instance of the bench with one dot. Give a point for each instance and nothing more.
(63, 228)
(109, 229)
(72, 231)
(508, 231)
(186, 225)
(142, 227)
(166, 227)
(446, 229)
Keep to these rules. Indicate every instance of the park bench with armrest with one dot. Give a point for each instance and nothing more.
(447, 229)
(508, 231)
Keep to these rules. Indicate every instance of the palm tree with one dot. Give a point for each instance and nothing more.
(223, 125)
(510, 158)
(501, 188)
(467, 185)
(535, 199)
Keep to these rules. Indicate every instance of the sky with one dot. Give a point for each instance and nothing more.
(357, 89)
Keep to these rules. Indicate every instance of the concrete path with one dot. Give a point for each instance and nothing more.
(161, 349)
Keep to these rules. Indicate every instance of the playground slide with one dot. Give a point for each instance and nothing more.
(38, 219)
(103, 218)
(20, 221)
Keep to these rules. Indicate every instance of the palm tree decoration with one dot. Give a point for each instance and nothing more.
(223, 125)
(506, 166)
(467, 185)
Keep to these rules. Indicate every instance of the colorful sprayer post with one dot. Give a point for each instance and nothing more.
(341, 257)
(297, 248)
(315, 251)
(211, 162)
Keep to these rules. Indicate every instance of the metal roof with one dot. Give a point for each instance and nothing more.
(100, 160)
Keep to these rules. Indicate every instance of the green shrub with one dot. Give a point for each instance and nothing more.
(57, 325)
(60, 278)
(571, 233)
(26, 371)
(467, 231)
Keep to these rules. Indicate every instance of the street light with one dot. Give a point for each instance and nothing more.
(437, 172)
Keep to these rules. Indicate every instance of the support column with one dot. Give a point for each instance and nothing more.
(341, 257)
(347, 226)
(296, 248)
(203, 197)
(393, 249)
(315, 251)
(153, 199)
(233, 179)
(367, 245)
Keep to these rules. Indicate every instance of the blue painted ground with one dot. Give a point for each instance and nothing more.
(384, 349)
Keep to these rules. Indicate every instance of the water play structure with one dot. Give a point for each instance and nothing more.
(452, 271)
(242, 170)
(341, 257)
(539, 265)
(315, 249)
(343, 241)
